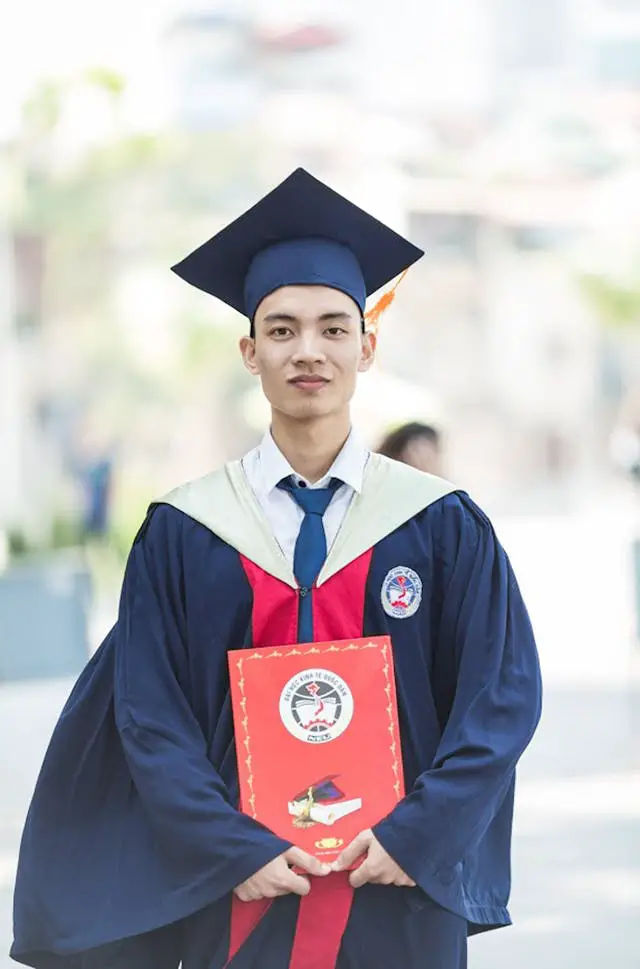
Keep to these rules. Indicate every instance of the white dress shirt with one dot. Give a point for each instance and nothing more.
(266, 466)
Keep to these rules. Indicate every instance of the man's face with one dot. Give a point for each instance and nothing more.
(307, 350)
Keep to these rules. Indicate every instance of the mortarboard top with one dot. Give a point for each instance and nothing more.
(321, 791)
(301, 233)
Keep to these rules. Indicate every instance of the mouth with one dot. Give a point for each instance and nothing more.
(309, 382)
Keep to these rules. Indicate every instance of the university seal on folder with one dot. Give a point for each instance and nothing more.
(317, 739)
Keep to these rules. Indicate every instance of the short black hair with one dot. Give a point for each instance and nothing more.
(394, 444)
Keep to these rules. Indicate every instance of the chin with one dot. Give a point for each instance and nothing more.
(305, 410)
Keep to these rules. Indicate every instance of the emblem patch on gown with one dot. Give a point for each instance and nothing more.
(316, 706)
(401, 592)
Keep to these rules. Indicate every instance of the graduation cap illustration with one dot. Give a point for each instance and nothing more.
(322, 791)
(300, 233)
(322, 803)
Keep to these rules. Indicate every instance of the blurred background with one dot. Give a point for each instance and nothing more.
(503, 136)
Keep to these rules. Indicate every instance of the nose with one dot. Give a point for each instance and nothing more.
(308, 349)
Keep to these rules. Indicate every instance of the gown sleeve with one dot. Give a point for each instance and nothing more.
(186, 801)
(131, 829)
(495, 709)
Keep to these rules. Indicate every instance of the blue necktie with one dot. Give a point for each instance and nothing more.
(311, 545)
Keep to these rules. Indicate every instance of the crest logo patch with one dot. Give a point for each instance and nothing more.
(316, 706)
(401, 592)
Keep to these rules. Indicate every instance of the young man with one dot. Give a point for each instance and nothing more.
(135, 855)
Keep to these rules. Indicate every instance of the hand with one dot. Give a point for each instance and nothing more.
(378, 867)
(276, 878)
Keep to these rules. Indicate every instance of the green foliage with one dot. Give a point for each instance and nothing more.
(64, 533)
(127, 514)
(42, 110)
(102, 211)
(208, 347)
(18, 544)
(106, 79)
(616, 305)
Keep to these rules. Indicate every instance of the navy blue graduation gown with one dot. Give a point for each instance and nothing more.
(133, 842)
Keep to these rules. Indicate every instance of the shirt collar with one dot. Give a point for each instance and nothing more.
(348, 466)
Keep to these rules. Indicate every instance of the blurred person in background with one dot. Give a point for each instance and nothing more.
(135, 853)
(91, 460)
(96, 479)
(416, 444)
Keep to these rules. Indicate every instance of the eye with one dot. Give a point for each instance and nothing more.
(280, 331)
(335, 330)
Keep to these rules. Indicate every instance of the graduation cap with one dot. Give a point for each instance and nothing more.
(322, 791)
(301, 233)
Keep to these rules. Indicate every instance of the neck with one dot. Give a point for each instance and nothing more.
(310, 447)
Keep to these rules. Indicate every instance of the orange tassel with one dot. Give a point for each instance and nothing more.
(372, 316)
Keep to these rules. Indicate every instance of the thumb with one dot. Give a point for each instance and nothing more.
(353, 851)
(300, 858)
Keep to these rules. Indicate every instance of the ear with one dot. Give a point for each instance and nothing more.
(368, 351)
(248, 351)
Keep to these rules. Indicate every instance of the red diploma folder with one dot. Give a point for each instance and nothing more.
(317, 739)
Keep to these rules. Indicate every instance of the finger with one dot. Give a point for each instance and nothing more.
(294, 884)
(296, 856)
(275, 891)
(246, 894)
(353, 851)
(361, 876)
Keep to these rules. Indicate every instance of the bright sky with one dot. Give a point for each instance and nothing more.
(418, 48)
(39, 39)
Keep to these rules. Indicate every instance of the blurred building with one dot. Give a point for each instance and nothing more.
(30, 461)
(476, 131)
(501, 135)
(589, 43)
(10, 410)
(497, 327)
(213, 80)
(611, 37)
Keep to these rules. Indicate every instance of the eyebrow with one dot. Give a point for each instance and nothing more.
(291, 318)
